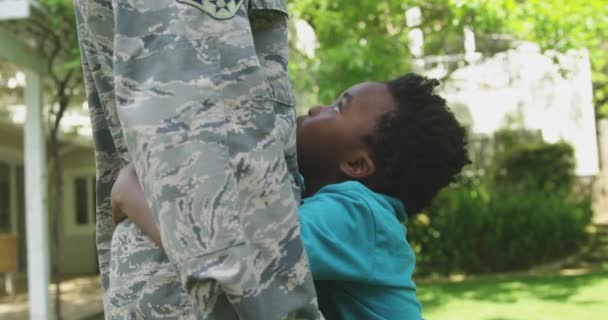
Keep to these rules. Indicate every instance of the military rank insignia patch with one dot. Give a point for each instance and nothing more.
(219, 9)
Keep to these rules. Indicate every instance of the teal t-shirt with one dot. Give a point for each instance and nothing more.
(360, 259)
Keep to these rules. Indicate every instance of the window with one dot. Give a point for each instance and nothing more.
(12, 202)
(81, 195)
(81, 201)
(5, 198)
(21, 239)
(94, 202)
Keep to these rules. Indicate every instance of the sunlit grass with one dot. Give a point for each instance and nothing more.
(582, 297)
(522, 298)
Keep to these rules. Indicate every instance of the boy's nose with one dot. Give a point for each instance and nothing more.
(315, 111)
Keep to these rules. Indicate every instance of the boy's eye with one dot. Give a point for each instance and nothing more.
(338, 105)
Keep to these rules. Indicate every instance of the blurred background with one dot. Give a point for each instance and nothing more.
(523, 235)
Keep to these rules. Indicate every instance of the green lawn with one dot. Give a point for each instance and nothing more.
(583, 297)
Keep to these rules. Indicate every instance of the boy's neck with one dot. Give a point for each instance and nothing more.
(314, 183)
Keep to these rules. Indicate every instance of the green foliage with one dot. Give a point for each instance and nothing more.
(367, 40)
(506, 231)
(358, 40)
(525, 215)
(51, 31)
(565, 24)
(547, 167)
(445, 239)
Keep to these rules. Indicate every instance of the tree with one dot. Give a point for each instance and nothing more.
(358, 40)
(51, 30)
(562, 25)
(368, 40)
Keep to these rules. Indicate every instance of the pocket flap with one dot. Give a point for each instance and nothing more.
(220, 9)
(278, 5)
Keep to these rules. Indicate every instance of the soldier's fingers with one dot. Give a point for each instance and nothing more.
(118, 216)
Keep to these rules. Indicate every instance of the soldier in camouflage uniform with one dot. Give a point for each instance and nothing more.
(195, 93)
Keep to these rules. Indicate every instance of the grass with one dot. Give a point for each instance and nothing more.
(583, 297)
(519, 298)
(95, 317)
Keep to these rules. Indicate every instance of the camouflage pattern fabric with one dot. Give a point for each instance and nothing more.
(200, 102)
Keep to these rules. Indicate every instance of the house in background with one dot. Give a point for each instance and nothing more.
(524, 89)
(546, 94)
(77, 254)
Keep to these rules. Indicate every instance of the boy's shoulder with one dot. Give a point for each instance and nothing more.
(354, 191)
(343, 192)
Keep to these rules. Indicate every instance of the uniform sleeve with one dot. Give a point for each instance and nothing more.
(195, 105)
(177, 94)
(338, 235)
(107, 154)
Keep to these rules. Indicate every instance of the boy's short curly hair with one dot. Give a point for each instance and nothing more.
(419, 148)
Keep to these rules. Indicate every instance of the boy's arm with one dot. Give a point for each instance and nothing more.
(128, 200)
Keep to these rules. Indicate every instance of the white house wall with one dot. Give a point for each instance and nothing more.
(78, 252)
(525, 89)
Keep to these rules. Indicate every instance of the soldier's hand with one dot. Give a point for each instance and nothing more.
(118, 215)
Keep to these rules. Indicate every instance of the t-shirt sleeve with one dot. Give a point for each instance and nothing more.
(338, 233)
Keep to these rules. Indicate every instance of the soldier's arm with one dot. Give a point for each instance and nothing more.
(128, 200)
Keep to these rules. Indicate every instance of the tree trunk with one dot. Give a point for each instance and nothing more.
(58, 185)
(58, 207)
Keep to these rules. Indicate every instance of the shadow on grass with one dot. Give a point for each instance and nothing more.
(552, 288)
(510, 290)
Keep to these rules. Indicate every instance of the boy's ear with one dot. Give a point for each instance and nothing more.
(359, 166)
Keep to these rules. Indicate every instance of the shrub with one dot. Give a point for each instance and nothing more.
(445, 238)
(464, 232)
(528, 228)
(521, 215)
(538, 167)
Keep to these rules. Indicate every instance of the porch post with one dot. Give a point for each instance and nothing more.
(36, 201)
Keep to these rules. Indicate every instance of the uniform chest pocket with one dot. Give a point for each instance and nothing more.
(276, 5)
(219, 9)
(268, 20)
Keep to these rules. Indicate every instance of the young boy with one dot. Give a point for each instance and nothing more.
(381, 152)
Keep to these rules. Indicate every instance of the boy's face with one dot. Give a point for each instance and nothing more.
(330, 135)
